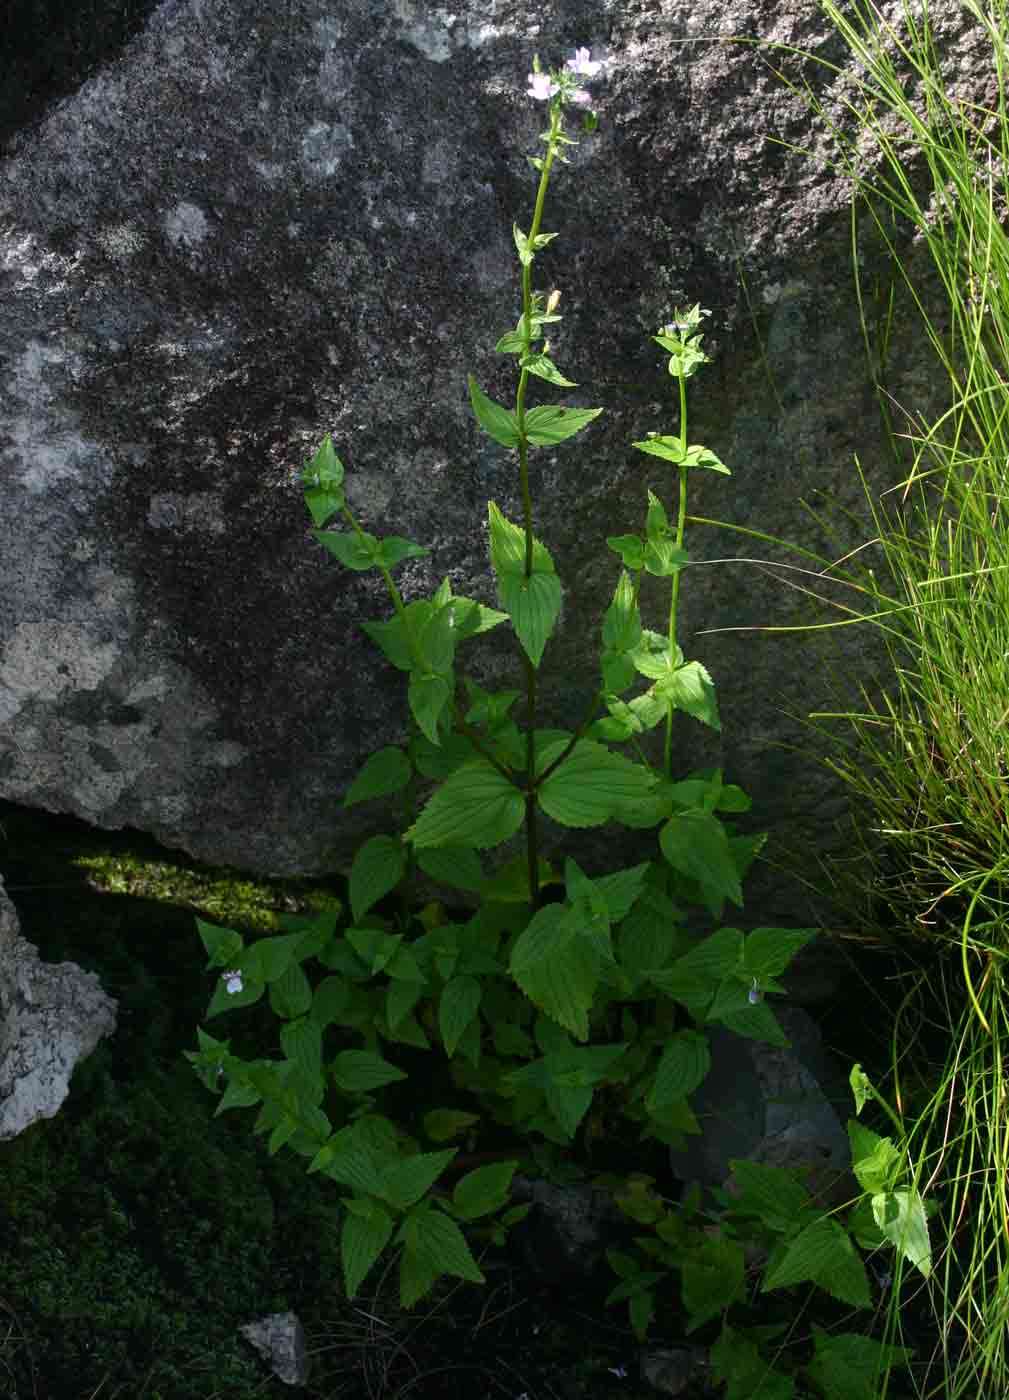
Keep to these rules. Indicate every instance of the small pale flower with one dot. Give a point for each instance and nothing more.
(582, 64)
(755, 995)
(580, 97)
(552, 301)
(541, 86)
(232, 981)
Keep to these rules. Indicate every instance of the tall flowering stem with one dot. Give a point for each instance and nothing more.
(558, 89)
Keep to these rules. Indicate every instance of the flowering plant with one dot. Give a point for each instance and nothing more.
(566, 1001)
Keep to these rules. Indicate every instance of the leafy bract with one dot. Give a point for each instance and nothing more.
(551, 423)
(672, 450)
(322, 479)
(531, 600)
(495, 420)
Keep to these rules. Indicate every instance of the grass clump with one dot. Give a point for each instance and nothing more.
(926, 762)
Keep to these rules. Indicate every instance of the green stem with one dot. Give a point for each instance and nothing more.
(532, 842)
(674, 596)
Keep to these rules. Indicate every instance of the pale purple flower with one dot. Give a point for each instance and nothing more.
(232, 981)
(755, 995)
(582, 64)
(541, 86)
(580, 97)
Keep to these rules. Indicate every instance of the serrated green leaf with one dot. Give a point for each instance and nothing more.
(522, 246)
(394, 549)
(438, 1242)
(362, 1071)
(533, 604)
(874, 1159)
(483, 1190)
(322, 479)
(291, 994)
(417, 1277)
(690, 688)
(822, 1254)
(556, 968)
(456, 866)
(471, 618)
(477, 807)
(771, 1193)
(664, 558)
(648, 936)
(737, 1362)
(622, 889)
(591, 785)
(329, 1000)
(378, 868)
(671, 450)
(441, 1124)
(684, 1065)
(498, 422)
(359, 552)
(386, 771)
(631, 549)
(712, 960)
(301, 1042)
(400, 1000)
(511, 343)
(367, 1230)
(900, 1216)
(712, 1275)
(653, 658)
(552, 423)
(768, 951)
(697, 845)
(430, 697)
(223, 945)
(404, 1184)
(544, 368)
(459, 1003)
(850, 1365)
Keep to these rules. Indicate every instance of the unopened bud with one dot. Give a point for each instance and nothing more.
(552, 301)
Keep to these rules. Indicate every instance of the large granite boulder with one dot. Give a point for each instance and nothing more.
(52, 1015)
(272, 219)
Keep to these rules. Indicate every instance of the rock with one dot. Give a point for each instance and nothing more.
(777, 1106)
(273, 219)
(52, 1015)
(669, 1370)
(280, 1341)
(569, 1229)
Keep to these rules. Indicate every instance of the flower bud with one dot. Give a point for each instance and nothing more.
(552, 301)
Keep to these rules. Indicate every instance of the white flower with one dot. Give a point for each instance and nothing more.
(232, 981)
(580, 97)
(582, 64)
(541, 86)
(754, 994)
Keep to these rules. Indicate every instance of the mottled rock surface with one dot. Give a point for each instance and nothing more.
(272, 219)
(52, 1015)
